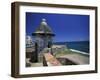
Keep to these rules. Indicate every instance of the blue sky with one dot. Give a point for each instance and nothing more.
(66, 27)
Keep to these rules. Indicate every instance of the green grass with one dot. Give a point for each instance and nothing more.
(65, 52)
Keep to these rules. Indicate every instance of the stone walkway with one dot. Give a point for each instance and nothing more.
(51, 60)
(76, 58)
(38, 64)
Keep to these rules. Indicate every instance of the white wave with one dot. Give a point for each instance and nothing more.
(79, 51)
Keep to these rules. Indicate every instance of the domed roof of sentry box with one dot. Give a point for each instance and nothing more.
(43, 29)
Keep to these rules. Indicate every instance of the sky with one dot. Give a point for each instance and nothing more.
(66, 27)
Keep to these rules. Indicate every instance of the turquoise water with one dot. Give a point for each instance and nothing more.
(78, 45)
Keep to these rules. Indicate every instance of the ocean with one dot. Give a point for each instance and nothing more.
(77, 45)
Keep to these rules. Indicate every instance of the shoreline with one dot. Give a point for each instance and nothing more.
(81, 52)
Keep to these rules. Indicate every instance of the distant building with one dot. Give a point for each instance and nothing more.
(29, 46)
(29, 41)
